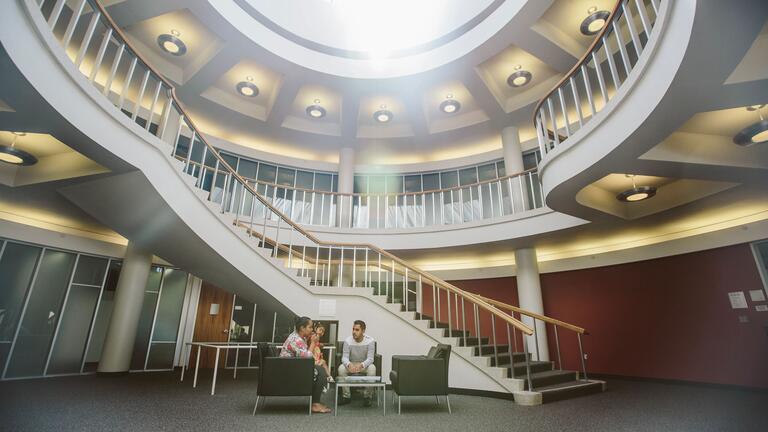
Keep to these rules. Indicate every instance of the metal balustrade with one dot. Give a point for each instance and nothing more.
(475, 202)
(595, 80)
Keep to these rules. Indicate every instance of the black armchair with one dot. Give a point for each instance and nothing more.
(422, 375)
(283, 376)
(340, 352)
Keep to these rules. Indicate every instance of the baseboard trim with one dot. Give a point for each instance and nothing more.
(481, 393)
(679, 382)
(112, 374)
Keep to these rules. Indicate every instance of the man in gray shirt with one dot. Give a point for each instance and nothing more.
(357, 359)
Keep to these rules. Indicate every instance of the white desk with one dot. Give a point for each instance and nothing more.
(218, 346)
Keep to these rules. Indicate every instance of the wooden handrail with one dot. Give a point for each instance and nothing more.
(222, 162)
(584, 59)
(552, 321)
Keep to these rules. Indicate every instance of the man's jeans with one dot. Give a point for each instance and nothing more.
(343, 372)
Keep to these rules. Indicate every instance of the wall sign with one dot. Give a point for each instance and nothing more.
(327, 308)
(738, 300)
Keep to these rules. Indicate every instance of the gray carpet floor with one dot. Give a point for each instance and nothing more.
(158, 402)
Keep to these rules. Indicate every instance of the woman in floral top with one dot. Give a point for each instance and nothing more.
(296, 346)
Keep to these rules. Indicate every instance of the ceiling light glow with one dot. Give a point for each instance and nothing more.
(594, 22)
(756, 133)
(636, 193)
(171, 44)
(11, 155)
(519, 78)
(247, 88)
(383, 115)
(450, 105)
(315, 110)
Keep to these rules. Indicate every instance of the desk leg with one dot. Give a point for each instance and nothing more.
(215, 371)
(197, 366)
(237, 354)
(183, 361)
(336, 403)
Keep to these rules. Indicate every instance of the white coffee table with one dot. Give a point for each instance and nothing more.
(366, 381)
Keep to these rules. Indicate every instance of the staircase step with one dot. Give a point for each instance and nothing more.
(473, 341)
(569, 390)
(503, 350)
(549, 378)
(520, 368)
(456, 333)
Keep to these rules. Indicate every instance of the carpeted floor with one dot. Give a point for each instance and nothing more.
(158, 401)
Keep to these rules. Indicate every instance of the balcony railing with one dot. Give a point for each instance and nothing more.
(598, 76)
(463, 204)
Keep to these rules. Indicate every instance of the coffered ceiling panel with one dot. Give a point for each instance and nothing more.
(248, 88)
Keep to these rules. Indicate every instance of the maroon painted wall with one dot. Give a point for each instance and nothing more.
(667, 318)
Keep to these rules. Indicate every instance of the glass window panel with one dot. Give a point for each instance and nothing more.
(323, 182)
(42, 314)
(247, 169)
(103, 315)
(376, 184)
(169, 309)
(68, 348)
(500, 168)
(431, 181)
(449, 179)
(413, 183)
(394, 184)
(17, 267)
(231, 160)
(361, 184)
(529, 160)
(468, 176)
(90, 270)
(335, 183)
(161, 356)
(304, 179)
(267, 173)
(487, 172)
(286, 176)
(144, 328)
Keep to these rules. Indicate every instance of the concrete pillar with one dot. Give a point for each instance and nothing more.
(346, 185)
(513, 163)
(129, 297)
(529, 294)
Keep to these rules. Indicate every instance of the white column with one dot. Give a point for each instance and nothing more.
(129, 297)
(529, 294)
(346, 184)
(513, 163)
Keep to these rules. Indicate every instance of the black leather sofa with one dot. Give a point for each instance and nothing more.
(421, 375)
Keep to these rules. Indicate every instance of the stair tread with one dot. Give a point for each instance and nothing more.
(550, 373)
(567, 385)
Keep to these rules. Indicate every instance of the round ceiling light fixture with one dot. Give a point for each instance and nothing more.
(519, 78)
(247, 88)
(756, 133)
(637, 193)
(315, 110)
(383, 115)
(450, 105)
(11, 155)
(594, 22)
(171, 43)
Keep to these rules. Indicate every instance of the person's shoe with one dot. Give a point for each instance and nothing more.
(345, 401)
(367, 402)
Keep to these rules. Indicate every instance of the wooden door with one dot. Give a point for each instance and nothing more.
(211, 328)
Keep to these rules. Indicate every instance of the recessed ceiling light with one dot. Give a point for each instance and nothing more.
(450, 105)
(171, 43)
(636, 193)
(756, 133)
(383, 115)
(594, 22)
(11, 155)
(247, 88)
(315, 110)
(519, 78)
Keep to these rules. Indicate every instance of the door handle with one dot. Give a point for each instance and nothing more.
(225, 331)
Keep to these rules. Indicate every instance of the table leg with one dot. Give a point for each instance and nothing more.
(197, 366)
(384, 398)
(237, 354)
(183, 361)
(336, 403)
(215, 370)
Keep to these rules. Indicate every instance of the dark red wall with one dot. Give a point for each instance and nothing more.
(667, 318)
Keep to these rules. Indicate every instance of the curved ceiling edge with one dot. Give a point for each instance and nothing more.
(363, 55)
(502, 13)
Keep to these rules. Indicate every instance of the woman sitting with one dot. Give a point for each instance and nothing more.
(296, 346)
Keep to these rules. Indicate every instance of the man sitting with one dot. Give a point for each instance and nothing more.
(357, 359)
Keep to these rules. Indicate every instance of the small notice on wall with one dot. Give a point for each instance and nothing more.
(757, 295)
(327, 308)
(738, 300)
